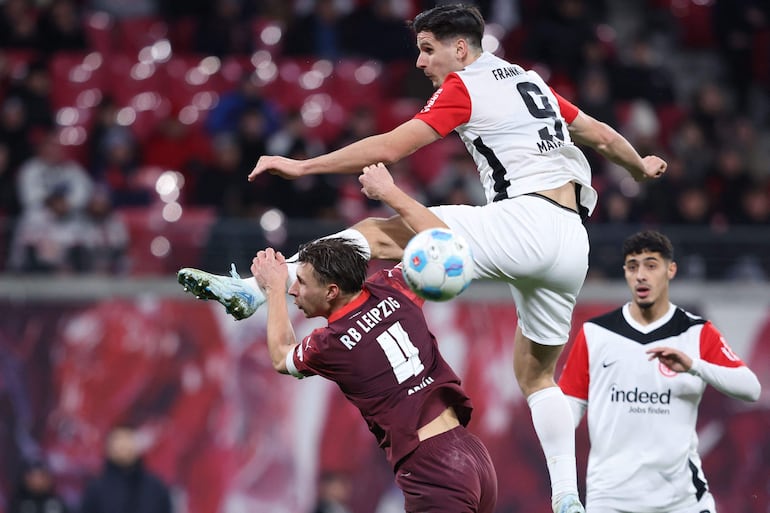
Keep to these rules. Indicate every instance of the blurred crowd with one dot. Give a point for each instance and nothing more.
(683, 79)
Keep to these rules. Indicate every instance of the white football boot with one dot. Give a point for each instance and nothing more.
(239, 299)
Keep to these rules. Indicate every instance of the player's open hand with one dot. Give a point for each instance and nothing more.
(281, 166)
(270, 270)
(654, 167)
(376, 181)
(672, 358)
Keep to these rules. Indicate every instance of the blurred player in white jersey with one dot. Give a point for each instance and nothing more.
(640, 371)
(529, 234)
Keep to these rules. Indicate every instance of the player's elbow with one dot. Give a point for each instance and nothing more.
(754, 392)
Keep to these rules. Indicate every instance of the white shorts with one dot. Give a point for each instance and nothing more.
(704, 505)
(538, 247)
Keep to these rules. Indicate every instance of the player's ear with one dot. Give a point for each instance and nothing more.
(671, 270)
(332, 292)
(461, 48)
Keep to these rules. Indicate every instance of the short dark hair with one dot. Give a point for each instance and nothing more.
(449, 21)
(336, 260)
(648, 240)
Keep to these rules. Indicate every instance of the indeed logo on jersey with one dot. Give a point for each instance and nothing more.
(636, 396)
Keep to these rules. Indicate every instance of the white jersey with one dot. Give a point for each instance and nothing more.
(514, 126)
(641, 415)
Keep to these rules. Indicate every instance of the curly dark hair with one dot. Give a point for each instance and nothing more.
(648, 240)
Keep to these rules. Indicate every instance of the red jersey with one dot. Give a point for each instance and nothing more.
(380, 352)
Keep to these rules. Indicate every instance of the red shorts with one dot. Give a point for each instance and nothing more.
(449, 473)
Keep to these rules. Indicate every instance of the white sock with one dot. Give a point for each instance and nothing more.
(350, 234)
(552, 418)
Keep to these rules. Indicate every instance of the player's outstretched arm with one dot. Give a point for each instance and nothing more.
(589, 131)
(737, 382)
(378, 184)
(389, 147)
(271, 273)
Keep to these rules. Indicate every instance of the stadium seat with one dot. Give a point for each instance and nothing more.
(193, 81)
(267, 34)
(392, 113)
(298, 78)
(133, 34)
(99, 28)
(79, 78)
(357, 82)
(162, 247)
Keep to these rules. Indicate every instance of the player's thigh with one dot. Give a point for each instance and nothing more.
(449, 472)
(523, 238)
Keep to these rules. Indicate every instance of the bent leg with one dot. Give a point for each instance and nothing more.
(386, 237)
(534, 365)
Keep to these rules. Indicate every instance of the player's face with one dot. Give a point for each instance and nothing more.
(437, 59)
(309, 295)
(647, 275)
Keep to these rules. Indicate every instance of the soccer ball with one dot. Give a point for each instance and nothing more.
(437, 264)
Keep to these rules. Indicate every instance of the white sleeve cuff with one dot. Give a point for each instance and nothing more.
(290, 364)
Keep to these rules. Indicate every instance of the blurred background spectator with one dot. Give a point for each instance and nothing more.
(36, 492)
(125, 91)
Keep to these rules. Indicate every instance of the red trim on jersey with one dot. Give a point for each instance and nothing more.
(714, 349)
(574, 378)
(360, 300)
(448, 108)
(569, 111)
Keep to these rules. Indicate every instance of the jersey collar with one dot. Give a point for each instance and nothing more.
(357, 302)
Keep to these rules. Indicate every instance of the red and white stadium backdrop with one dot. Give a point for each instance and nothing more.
(232, 436)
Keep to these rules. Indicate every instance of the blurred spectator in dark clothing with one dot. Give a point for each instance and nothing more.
(119, 168)
(36, 493)
(14, 132)
(727, 181)
(226, 115)
(457, 182)
(222, 182)
(50, 169)
(105, 236)
(690, 144)
(224, 29)
(293, 137)
(18, 25)
(252, 135)
(62, 26)
(712, 111)
(753, 142)
(735, 24)
(125, 485)
(176, 146)
(335, 491)
(35, 92)
(755, 205)
(9, 203)
(361, 123)
(124, 8)
(48, 239)
(640, 74)
(693, 207)
(315, 34)
(394, 41)
(563, 37)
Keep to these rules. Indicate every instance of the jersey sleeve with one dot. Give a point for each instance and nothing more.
(569, 110)
(714, 348)
(307, 356)
(394, 277)
(574, 378)
(448, 108)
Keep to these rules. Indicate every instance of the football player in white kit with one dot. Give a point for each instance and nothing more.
(640, 371)
(529, 234)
